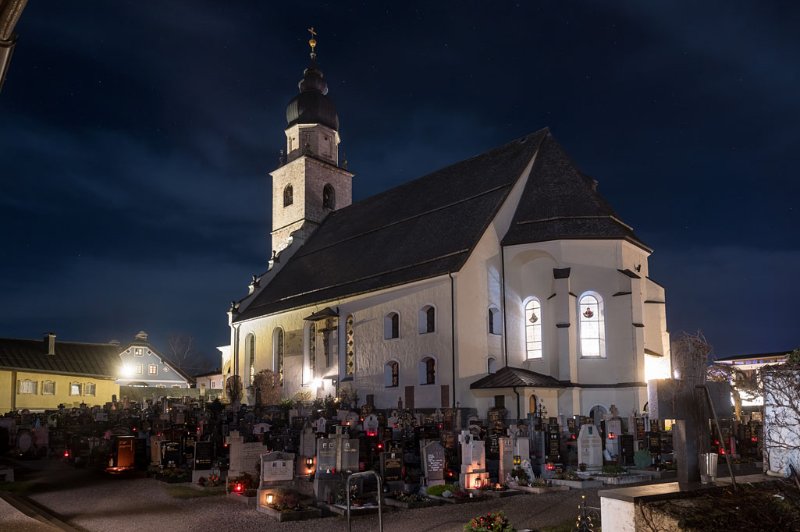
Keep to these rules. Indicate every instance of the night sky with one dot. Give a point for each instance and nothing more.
(136, 140)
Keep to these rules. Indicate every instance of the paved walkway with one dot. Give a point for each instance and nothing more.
(99, 503)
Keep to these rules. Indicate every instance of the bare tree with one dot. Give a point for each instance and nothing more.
(181, 349)
(690, 357)
(745, 385)
(267, 387)
(782, 415)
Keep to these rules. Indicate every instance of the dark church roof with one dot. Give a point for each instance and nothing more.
(70, 358)
(428, 227)
(560, 203)
(508, 377)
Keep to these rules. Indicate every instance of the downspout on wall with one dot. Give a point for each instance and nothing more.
(514, 388)
(453, 334)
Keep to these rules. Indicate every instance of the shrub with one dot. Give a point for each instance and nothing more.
(437, 491)
(491, 522)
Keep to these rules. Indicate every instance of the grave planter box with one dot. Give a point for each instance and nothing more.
(495, 494)
(457, 500)
(308, 512)
(577, 484)
(621, 480)
(541, 489)
(244, 499)
(388, 501)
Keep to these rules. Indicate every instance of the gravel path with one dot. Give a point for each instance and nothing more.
(134, 504)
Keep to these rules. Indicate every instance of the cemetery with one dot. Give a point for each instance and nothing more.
(332, 457)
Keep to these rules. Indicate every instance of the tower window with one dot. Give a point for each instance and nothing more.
(328, 198)
(288, 195)
(495, 327)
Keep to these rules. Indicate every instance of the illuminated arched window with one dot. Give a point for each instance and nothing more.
(591, 325)
(288, 195)
(250, 356)
(328, 198)
(391, 374)
(350, 348)
(533, 329)
(277, 352)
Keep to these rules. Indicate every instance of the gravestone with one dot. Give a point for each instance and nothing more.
(506, 459)
(203, 459)
(473, 461)
(391, 467)
(155, 450)
(590, 447)
(326, 455)
(613, 433)
(276, 467)
(433, 463)
(349, 455)
(244, 457)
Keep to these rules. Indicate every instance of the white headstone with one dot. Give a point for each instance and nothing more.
(590, 447)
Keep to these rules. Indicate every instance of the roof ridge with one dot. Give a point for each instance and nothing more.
(104, 344)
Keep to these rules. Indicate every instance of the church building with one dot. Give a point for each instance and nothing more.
(502, 280)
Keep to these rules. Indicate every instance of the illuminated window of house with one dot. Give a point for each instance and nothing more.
(27, 386)
(495, 327)
(91, 388)
(250, 356)
(391, 326)
(152, 369)
(533, 329)
(74, 388)
(591, 325)
(350, 348)
(138, 351)
(391, 374)
(427, 319)
(48, 388)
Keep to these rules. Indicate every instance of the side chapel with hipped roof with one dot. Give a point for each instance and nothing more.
(505, 279)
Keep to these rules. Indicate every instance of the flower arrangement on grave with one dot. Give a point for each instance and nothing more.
(286, 501)
(437, 491)
(407, 497)
(613, 470)
(519, 476)
(244, 484)
(490, 522)
(209, 482)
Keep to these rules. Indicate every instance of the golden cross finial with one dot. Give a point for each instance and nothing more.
(312, 42)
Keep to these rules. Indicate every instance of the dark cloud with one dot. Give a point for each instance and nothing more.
(136, 142)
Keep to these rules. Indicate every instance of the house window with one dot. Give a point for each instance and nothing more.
(250, 356)
(74, 388)
(277, 352)
(591, 325)
(391, 326)
(533, 329)
(427, 371)
(288, 195)
(350, 348)
(492, 364)
(391, 374)
(91, 388)
(140, 369)
(48, 388)
(138, 352)
(427, 319)
(27, 386)
(328, 198)
(152, 369)
(495, 327)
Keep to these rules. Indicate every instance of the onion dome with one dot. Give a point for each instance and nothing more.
(312, 105)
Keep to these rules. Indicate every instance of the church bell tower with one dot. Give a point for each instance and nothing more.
(310, 183)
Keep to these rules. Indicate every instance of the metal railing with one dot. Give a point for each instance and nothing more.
(380, 497)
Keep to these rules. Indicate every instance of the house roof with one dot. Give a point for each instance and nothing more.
(70, 358)
(755, 356)
(428, 227)
(508, 377)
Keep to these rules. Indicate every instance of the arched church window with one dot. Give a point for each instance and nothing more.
(312, 348)
(391, 326)
(495, 327)
(350, 348)
(427, 319)
(391, 374)
(427, 370)
(533, 404)
(328, 197)
(250, 355)
(277, 352)
(288, 195)
(591, 325)
(533, 329)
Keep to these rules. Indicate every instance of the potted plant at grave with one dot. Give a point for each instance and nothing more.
(490, 522)
(519, 476)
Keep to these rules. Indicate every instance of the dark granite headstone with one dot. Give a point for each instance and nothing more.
(433, 462)
(391, 466)
(203, 455)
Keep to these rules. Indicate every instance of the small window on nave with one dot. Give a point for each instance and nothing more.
(391, 326)
(288, 195)
(328, 197)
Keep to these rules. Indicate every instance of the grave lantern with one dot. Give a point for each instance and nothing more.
(517, 460)
(478, 483)
(270, 498)
(310, 463)
(238, 487)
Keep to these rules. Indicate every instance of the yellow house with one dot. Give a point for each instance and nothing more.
(42, 374)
